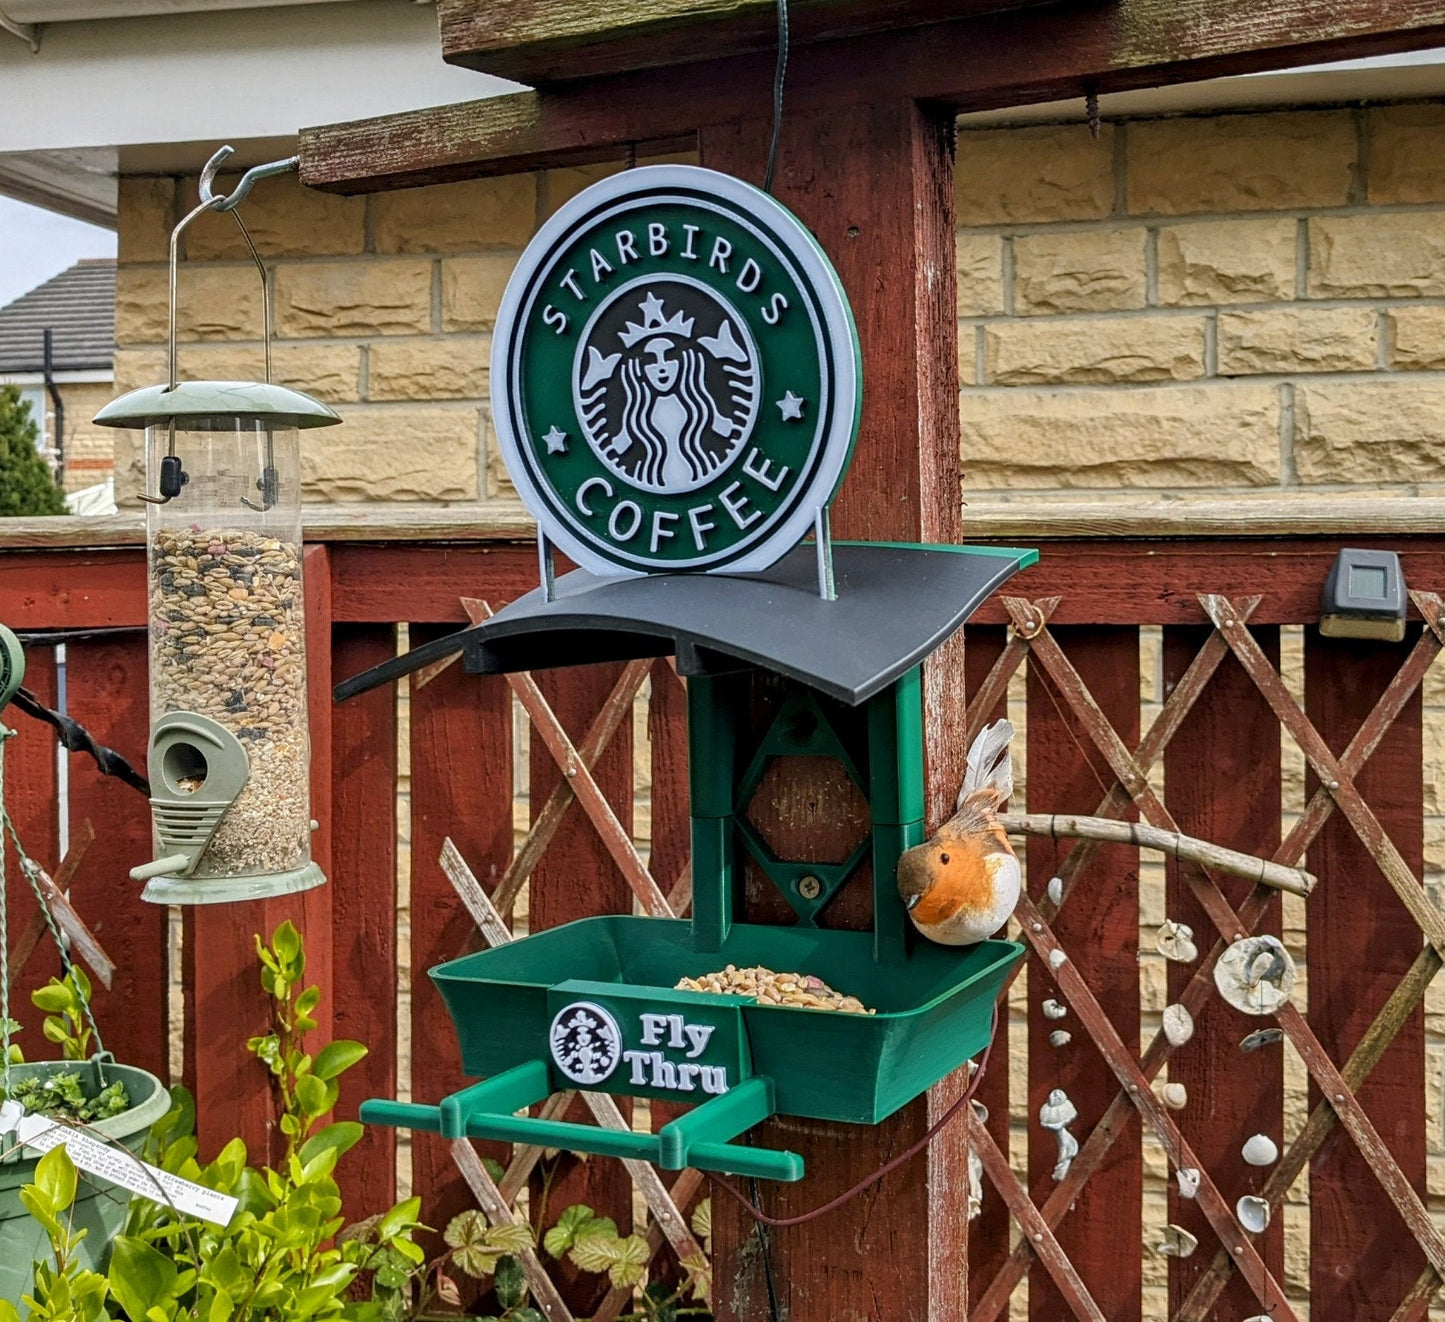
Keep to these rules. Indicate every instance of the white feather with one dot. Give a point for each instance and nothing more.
(989, 762)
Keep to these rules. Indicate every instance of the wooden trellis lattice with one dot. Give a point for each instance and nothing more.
(1030, 636)
(496, 1198)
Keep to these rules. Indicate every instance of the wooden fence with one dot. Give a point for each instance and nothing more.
(1208, 598)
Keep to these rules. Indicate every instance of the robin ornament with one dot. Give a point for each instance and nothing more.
(961, 885)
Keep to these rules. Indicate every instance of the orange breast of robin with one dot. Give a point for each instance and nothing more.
(963, 884)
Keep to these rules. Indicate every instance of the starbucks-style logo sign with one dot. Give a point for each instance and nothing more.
(586, 1042)
(675, 375)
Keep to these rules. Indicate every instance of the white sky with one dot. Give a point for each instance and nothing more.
(36, 244)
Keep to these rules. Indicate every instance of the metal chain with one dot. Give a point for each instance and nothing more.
(779, 75)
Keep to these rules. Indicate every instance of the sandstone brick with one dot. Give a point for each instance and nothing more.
(967, 356)
(328, 371)
(1159, 437)
(1434, 774)
(1095, 349)
(472, 291)
(1249, 162)
(1081, 271)
(401, 453)
(129, 473)
(978, 261)
(499, 481)
(1227, 261)
(145, 214)
(353, 298)
(212, 303)
(284, 219)
(1405, 148)
(1297, 339)
(478, 213)
(1056, 172)
(1417, 337)
(1369, 432)
(562, 185)
(428, 369)
(1379, 255)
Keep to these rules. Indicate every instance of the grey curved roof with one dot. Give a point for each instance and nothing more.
(896, 604)
(78, 306)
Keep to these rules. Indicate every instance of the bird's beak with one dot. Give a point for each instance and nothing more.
(911, 902)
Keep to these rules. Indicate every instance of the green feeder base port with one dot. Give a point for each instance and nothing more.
(618, 1025)
(231, 890)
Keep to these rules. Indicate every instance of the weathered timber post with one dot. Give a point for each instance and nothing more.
(874, 182)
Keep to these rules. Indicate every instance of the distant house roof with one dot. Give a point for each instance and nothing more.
(78, 306)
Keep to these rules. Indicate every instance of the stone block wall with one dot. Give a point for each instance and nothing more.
(1197, 306)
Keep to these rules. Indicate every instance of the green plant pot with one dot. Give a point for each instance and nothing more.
(99, 1205)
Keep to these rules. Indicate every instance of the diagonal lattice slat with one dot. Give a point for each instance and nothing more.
(1030, 630)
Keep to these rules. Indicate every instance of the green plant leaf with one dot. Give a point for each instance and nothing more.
(400, 1218)
(561, 1237)
(140, 1277)
(312, 1095)
(511, 1282)
(55, 1178)
(54, 998)
(286, 942)
(630, 1266)
(342, 1136)
(467, 1237)
(336, 1058)
(594, 1253)
(525, 1315)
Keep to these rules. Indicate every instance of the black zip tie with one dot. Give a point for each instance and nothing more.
(779, 75)
(77, 739)
(773, 1312)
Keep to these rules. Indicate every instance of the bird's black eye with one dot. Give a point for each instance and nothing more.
(943, 858)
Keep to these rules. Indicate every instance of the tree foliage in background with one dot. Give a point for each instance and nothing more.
(27, 486)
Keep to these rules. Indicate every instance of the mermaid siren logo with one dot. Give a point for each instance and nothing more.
(666, 384)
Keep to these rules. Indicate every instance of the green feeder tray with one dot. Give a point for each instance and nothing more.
(594, 1004)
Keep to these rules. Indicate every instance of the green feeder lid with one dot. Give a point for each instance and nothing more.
(209, 399)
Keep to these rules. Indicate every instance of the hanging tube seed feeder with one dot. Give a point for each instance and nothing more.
(229, 753)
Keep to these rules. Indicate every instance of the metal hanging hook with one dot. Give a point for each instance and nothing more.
(173, 476)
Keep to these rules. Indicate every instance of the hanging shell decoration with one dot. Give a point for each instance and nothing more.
(1053, 1010)
(1178, 1025)
(1255, 975)
(1056, 959)
(1055, 891)
(1253, 1213)
(1174, 1095)
(1059, 1038)
(1187, 1178)
(1260, 1150)
(975, 1166)
(1176, 1242)
(1176, 941)
(1261, 1038)
(1057, 1114)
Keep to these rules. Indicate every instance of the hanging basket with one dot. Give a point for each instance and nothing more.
(100, 1206)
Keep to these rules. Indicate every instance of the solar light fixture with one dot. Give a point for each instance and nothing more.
(229, 756)
(1364, 597)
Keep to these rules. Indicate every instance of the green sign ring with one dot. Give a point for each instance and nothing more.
(676, 377)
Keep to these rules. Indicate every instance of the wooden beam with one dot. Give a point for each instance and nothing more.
(540, 41)
(967, 63)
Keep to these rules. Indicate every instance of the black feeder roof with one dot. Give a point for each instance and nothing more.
(895, 605)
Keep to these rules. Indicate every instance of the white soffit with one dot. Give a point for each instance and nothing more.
(200, 79)
(69, 11)
(1407, 76)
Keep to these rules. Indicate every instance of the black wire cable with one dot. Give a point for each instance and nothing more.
(779, 75)
(75, 737)
(773, 1311)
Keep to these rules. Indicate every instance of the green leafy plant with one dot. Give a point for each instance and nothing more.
(27, 485)
(63, 1291)
(65, 1002)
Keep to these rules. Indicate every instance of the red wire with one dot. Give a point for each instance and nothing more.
(886, 1169)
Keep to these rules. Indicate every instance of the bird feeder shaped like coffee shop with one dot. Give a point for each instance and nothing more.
(229, 754)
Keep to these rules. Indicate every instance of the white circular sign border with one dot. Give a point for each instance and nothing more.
(607, 1018)
(838, 334)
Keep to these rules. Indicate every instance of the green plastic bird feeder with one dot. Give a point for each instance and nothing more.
(229, 751)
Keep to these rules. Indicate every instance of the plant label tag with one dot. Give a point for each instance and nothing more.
(130, 1172)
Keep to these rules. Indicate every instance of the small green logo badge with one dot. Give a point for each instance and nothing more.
(675, 375)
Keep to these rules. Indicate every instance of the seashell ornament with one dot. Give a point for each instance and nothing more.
(1253, 1213)
(1255, 975)
(1178, 1025)
(1053, 1010)
(1176, 941)
(1060, 1038)
(1057, 1114)
(1176, 1242)
(1187, 1179)
(1056, 959)
(1175, 1096)
(1262, 1038)
(1055, 891)
(1260, 1150)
